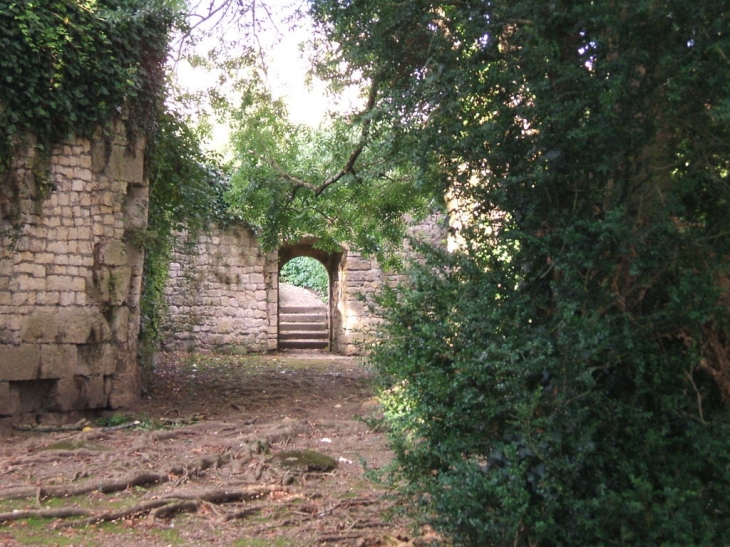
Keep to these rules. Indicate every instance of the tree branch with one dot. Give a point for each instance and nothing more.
(347, 169)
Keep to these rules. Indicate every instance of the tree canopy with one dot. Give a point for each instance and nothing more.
(565, 378)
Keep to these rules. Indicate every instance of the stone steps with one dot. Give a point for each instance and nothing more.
(303, 328)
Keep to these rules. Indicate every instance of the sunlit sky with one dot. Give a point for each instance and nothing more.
(287, 66)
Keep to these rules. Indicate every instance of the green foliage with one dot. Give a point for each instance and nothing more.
(187, 187)
(70, 67)
(562, 380)
(307, 272)
(292, 181)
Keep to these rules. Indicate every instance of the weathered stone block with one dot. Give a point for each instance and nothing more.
(118, 284)
(9, 399)
(40, 326)
(136, 208)
(19, 362)
(123, 165)
(65, 395)
(120, 324)
(92, 392)
(95, 359)
(125, 391)
(111, 253)
(82, 325)
(57, 361)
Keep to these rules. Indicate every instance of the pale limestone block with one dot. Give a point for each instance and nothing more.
(24, 267)
(67, 298)
(225, 326)
(34, 283)
(59, 282)
(79, 260)
(37, 245)
(57, 247)
(78, 284)
(19, 363)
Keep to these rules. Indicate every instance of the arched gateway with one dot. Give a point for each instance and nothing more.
(223, 292)
(309, 325)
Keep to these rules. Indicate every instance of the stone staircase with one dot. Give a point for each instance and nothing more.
(303, 327)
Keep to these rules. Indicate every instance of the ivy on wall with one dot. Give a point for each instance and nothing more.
(71, 66)
(187, 187)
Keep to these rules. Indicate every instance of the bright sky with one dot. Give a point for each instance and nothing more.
(287, 72)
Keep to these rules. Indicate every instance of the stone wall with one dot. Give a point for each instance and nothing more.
(222, 294)
(361, 277)
(70, 281)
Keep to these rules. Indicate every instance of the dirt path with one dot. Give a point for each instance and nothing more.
(208, 463)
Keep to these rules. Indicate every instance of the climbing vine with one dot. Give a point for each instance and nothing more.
(72, 66)
(187, 187)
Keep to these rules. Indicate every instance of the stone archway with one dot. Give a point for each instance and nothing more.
(287, 318)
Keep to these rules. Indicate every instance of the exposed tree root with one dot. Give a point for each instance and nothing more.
(78, 426)
(135, 510)
(165, 507)
(67, 490)
(169, 510)
(60, 512)
(111, 485)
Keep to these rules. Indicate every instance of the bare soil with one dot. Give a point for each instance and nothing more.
(209, 457)
(200, 466)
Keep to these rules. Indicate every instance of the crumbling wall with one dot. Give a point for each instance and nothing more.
(361, 277)
(222, 293)
(70, 279)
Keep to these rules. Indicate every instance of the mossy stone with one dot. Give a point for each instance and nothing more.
(305, 460)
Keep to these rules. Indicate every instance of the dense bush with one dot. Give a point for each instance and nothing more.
(585, 429)
(309, 273)
(564, 379)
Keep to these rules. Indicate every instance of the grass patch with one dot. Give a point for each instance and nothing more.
(36, 532)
